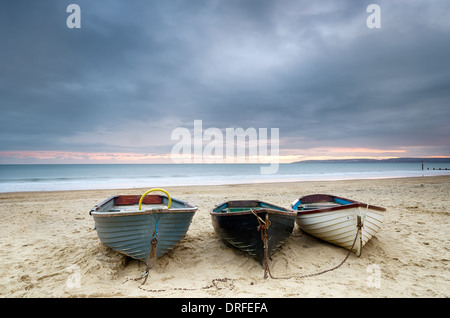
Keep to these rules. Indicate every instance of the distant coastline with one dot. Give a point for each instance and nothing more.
(391, 160)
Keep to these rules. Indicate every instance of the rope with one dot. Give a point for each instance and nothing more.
(263, 228)
(365, 213)
(155, 233)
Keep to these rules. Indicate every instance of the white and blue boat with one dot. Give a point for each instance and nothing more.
(142, 227)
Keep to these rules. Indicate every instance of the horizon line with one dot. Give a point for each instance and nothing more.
(336, 159)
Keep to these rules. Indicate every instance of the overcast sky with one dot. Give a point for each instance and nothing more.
(136, 70)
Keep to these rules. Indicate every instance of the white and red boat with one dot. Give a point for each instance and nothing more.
(337, 220)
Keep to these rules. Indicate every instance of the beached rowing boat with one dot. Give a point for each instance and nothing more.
(338, 220)
(240, 223)
(142, 227)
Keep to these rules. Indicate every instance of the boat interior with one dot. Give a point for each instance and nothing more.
(243, 206)
(319, 202)
(130, 203)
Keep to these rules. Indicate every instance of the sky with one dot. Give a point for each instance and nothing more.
(115, 89)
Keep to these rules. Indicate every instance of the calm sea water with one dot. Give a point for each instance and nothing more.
(15, 178)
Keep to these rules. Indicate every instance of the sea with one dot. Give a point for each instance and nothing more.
(55, 177)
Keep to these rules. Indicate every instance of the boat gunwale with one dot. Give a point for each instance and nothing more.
(354, 204)
(142, 212)
(285, 211)
(189, 208)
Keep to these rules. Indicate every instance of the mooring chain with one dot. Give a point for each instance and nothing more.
(214, 284)
(263, 226)
(151, 262)
(151, 258)
(327, 270)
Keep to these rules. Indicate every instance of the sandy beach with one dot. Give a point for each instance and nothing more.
(49, 247)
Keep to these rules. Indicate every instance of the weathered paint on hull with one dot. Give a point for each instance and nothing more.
(123, 227)
(339, 225)
(240, 229)
(242, 232)
(132, 235)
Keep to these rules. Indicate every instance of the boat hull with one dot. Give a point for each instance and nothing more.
(241, 229)
(338, 225)
(130, 231)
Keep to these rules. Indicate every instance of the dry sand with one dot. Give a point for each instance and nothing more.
(50, 249)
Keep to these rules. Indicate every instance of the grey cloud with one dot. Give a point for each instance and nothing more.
(313, 70)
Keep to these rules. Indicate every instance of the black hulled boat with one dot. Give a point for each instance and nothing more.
(241, 223)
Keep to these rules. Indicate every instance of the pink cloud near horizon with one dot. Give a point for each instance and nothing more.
(44, 156)
(79, 157)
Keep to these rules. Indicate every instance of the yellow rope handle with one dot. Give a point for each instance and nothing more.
(143, 196)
